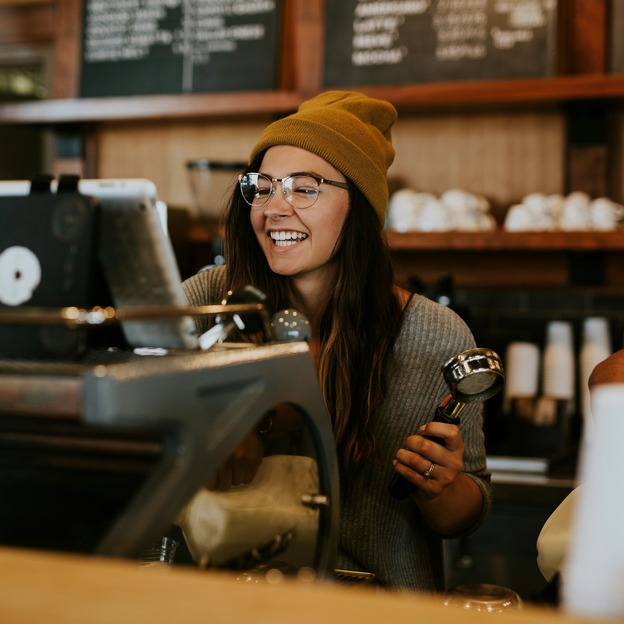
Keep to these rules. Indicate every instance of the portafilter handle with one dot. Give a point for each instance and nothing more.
(473, 375)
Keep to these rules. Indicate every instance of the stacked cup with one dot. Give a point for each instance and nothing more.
(522, 364)
(596, 347)
(558, 377)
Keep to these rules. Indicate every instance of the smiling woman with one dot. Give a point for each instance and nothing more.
(305, 226)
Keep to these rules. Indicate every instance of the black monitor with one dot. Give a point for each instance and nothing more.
(96, 243)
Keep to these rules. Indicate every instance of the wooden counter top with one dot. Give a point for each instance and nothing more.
(59, 588)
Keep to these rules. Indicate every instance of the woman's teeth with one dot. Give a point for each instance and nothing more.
(284, 239)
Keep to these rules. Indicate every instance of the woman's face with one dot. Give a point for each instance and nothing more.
(300, 242)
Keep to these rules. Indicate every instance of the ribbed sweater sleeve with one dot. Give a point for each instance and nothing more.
(207, 287)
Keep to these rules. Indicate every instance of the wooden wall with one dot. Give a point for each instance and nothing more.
(502, 155)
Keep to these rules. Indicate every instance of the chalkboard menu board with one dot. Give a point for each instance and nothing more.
(414, 41)
(144, 47)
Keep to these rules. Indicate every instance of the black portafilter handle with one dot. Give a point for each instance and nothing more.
(473, 375)
(400, 487)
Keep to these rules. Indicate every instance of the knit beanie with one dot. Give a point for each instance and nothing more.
(349, 130)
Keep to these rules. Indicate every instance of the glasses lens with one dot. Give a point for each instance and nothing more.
(300, 191)
(255, 188)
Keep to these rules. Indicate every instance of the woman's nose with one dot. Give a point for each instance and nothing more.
(278, 205)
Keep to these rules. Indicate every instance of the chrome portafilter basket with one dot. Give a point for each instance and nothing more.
(471, 376)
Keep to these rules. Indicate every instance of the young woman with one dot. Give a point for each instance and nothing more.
(305, 226)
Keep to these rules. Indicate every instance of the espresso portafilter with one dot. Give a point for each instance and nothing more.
(471, 376)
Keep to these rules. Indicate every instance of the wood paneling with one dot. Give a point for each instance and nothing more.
(503, 156)
(23, 2)
(160, 151)
(483, 269)
(67, 48)
(27, 23)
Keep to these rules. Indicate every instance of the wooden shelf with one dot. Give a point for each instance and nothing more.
(563, 261)
(498, 240)
(405, 97)
(501, 240)
(238, 103)
(518, 91)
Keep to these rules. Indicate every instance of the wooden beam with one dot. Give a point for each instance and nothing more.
(584, 36)
(67, 49)
(27, 23)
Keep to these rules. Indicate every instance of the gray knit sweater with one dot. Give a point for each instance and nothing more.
(379, 534)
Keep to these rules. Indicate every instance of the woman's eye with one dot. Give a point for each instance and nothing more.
(306, 190)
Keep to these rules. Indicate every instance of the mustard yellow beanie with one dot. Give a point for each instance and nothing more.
(349, 130)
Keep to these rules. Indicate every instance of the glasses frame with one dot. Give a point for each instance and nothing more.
(273, 190)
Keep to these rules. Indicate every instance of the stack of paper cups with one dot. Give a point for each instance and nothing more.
(521, 370)
(593, 575)
(596, 347)
(558, 369)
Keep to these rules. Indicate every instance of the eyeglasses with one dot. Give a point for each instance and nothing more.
(300, 190)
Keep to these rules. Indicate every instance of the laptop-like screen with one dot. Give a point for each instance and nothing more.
(131, 250)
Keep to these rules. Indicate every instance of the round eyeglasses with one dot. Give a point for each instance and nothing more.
(300, 190)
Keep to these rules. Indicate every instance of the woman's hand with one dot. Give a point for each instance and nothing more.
(430, 466)
(242, 465)
(448, 499)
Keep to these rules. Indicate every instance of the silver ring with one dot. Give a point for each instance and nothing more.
(427, 474)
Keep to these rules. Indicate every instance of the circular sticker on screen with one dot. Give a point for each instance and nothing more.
(20, 274)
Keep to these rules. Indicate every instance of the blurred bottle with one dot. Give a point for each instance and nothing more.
(212, 182)
(444, 293)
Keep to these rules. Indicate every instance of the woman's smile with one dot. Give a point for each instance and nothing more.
(286, 238)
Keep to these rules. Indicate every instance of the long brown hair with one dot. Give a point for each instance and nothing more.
(358, 328)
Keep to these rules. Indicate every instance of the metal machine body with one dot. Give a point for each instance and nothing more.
(200, 404)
